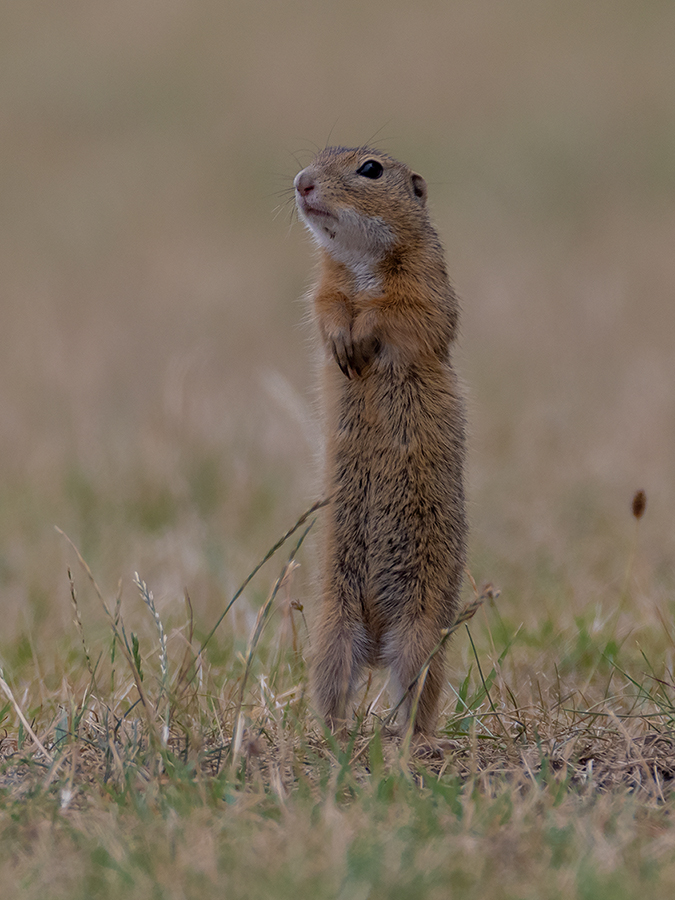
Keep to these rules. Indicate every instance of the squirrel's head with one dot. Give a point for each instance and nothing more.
(360, 204)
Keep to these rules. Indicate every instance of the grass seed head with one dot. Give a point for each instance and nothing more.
(639, 504)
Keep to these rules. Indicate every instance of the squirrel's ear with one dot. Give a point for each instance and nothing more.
(419, 187)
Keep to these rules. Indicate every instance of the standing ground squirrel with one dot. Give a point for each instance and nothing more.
(396, 531)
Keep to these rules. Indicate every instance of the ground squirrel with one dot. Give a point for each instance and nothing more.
(396, 531)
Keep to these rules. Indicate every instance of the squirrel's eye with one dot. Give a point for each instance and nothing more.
(370, 169)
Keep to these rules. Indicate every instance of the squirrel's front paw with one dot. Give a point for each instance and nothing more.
(343, 351)
(365, 341)
(364, 352)
(353, 358)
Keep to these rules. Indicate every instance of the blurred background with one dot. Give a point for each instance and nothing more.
(156, 375)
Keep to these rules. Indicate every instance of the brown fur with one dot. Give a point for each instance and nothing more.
(395, 537)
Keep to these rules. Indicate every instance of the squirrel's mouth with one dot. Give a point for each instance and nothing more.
(312, 210)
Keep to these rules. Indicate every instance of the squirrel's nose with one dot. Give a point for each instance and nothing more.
(304, 183)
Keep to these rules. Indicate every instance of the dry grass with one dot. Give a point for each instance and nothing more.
(161, 770)
(156, 399)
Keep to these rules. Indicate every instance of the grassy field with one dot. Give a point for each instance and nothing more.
(157, 408)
